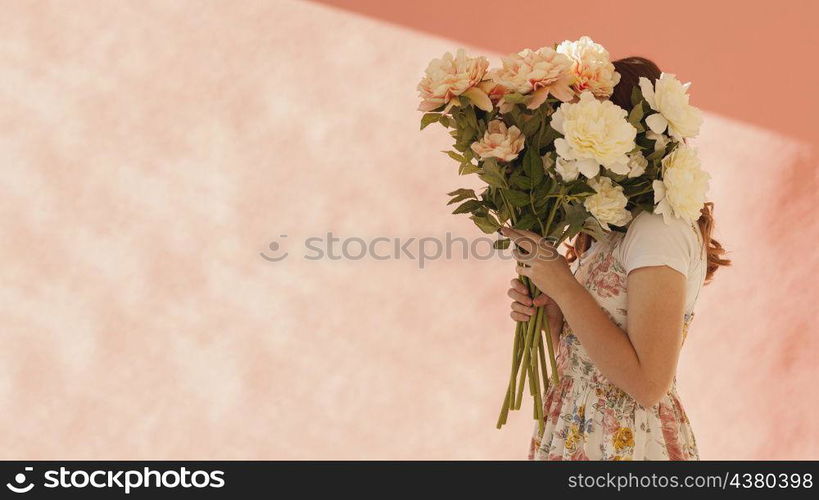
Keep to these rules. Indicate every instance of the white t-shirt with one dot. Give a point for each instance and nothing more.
(649, 241)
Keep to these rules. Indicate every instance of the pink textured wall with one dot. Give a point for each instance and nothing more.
(151, 150)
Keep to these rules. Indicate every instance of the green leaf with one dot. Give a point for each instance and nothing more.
(518, 180)
(565, 235)
(486, 223)
(502, 244)
(514, 117)
(503, 214)
(543, 190)
(533, 166)
(468, 206)
(636, 95)
(527, 222)
(461, 195)
(469, 155)
(471, 119)
(532, 124)
(547, 136)
(444, 120)
(636, 115)
(593, 229)
(468, 168)
(513, 98)
(575, 215)
(517, 198)
(492, 174)
(429, 118)
(455, 156)
(463, 191)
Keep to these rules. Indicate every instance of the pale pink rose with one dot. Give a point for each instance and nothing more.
(493, 89)
(591, 66)
(499, 142)
(537, 73)
(449, 77)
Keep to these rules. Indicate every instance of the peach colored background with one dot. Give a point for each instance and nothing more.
(151, 150)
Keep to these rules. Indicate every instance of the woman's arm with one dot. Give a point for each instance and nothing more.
(642, 362)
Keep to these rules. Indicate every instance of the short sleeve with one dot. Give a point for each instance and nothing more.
(649, 241)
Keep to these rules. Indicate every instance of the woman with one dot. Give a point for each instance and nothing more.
(619, 315)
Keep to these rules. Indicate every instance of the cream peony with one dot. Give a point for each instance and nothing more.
(608, 204)
(499, 142)
(637, 164)
(537, 72)
(660, 140)
(567, 169)
(449, 77)
(669, 98)
(594, 133)
(682, 191)
(591, 66)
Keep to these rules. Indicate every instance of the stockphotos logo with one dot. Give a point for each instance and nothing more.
(22, 486)
(125, 480)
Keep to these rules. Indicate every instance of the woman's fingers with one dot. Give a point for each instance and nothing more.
(519, 286)
(518, 316)
(518, 307)
(517, 296)
(542, 300)
(522, 239)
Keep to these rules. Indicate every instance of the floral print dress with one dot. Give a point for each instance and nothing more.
(587, 417)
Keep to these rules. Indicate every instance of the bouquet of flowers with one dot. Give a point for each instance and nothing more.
(558, 158)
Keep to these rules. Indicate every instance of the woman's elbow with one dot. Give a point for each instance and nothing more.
(649, 394)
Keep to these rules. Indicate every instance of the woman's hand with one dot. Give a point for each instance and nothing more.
(523, 307)
(541, 263)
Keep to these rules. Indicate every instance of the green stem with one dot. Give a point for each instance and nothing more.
(542, 359)
(508, 208)
(534, 363)
(553, 212)
(526, 355)
(504, 411)
(552, 360)
(516, 354)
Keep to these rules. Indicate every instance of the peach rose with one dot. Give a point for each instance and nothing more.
(449, 77)
(592, 67)
(499, 142)
(537, 72)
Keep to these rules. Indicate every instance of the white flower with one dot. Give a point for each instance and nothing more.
(660, 140)
(540, 73)
(499, 142)
(594, 133)
(637, 164)
(567, 169)
(449, 77)
(592, 67)
(608, 204)
(682, 191)
(669, 98)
